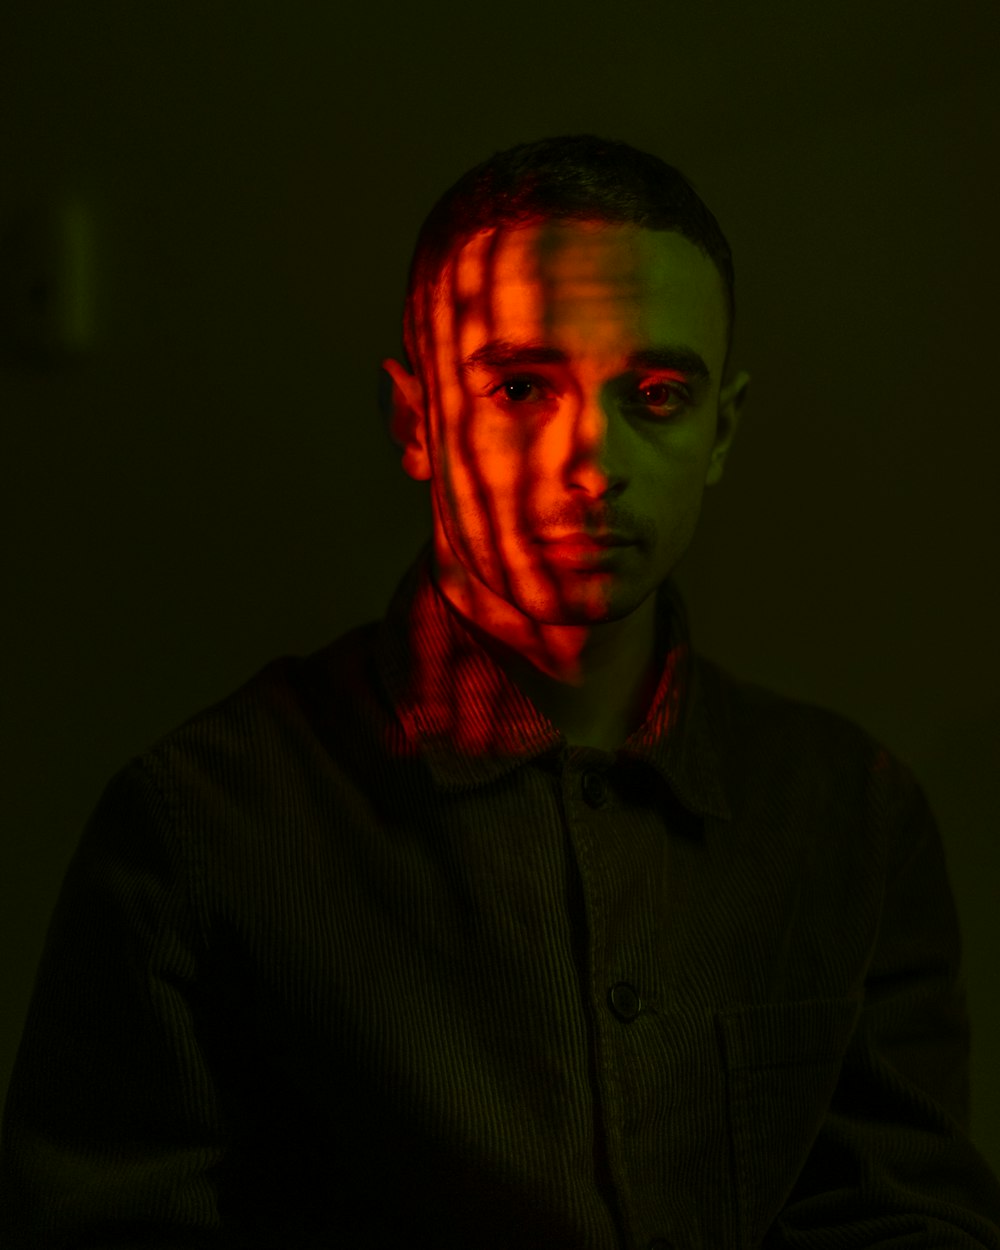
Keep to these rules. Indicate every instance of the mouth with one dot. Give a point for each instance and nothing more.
(587, 541)
(586, 552)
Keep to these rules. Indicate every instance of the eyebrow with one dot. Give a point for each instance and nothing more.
(505, 354)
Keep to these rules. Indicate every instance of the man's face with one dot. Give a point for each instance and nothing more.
(572, 388)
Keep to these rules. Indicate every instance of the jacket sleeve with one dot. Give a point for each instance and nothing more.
(112, 1123)
(893, 1164)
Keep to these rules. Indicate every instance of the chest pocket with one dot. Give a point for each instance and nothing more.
(782, 1064)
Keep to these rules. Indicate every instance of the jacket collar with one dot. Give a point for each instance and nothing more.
(472, 724)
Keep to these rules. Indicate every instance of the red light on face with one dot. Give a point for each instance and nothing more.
(567, 429)
(586, 552)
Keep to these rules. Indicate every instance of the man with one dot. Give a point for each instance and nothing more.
(511, 922)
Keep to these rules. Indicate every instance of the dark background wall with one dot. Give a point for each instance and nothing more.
(206, 213)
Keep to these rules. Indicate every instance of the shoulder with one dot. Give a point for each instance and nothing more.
(251, 750)
(791, 754)
(750, 718)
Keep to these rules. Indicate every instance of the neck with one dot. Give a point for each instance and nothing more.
(594, 682)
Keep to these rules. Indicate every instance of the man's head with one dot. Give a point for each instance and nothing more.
(568, 323)
(570, 178)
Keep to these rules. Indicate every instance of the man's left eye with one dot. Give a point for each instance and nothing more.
(663, 395)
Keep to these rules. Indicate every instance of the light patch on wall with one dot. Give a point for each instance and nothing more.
(48, 272)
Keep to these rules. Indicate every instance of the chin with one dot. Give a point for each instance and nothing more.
(587, 599)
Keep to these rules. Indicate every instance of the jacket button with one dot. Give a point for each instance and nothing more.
(624, 1001)
(595, 789)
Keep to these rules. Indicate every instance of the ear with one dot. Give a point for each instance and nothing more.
(731, 400)
(408, 419)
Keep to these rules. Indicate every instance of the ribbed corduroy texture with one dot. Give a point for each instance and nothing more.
(367, 957)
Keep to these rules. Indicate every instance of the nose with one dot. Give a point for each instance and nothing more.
(591, 463)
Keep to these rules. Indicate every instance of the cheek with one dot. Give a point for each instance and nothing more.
(679, 508)
(487, 455)
(669, 482)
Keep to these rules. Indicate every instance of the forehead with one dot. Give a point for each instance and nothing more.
(582, 284)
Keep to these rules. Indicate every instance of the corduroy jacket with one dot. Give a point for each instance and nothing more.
(368, 956)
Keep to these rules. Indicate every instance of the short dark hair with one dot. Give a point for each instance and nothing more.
(568, 177)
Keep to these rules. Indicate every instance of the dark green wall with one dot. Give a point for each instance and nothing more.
(198, 479)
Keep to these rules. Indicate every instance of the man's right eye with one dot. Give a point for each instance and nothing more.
(526, 390)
